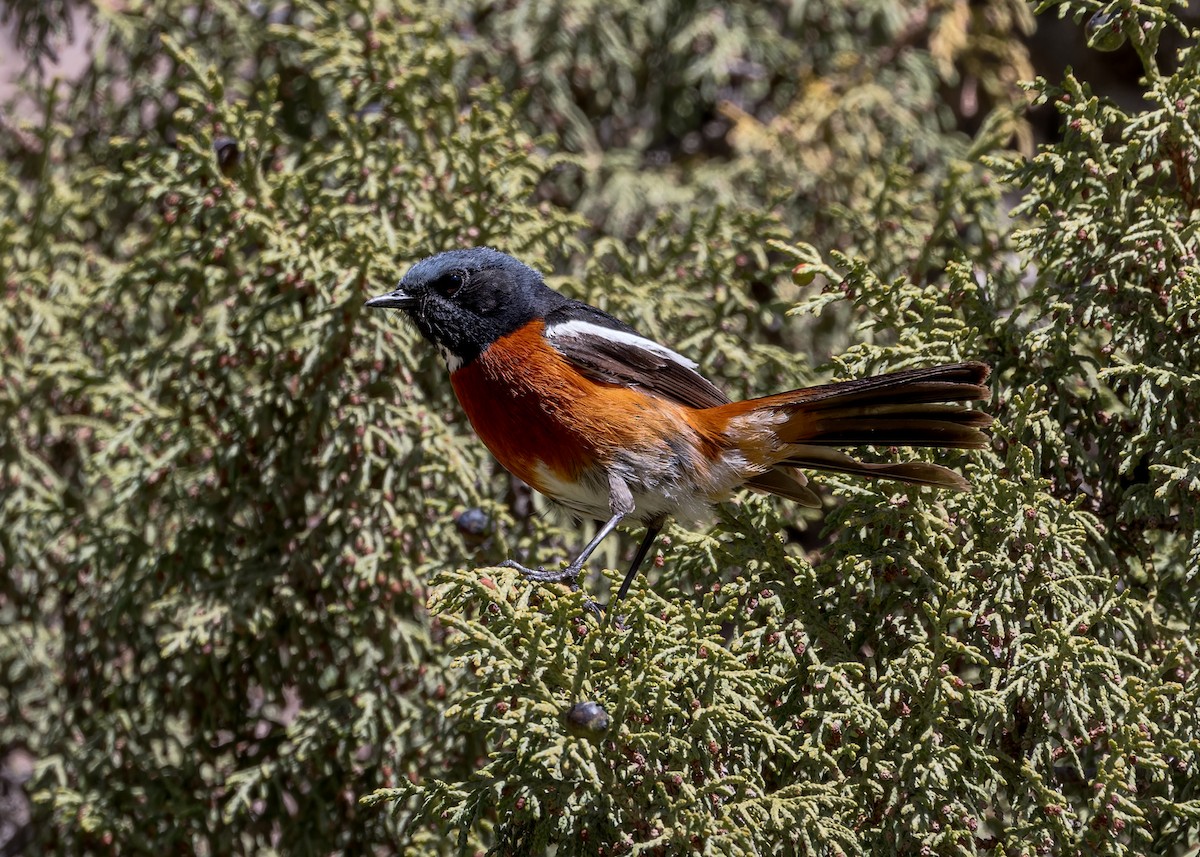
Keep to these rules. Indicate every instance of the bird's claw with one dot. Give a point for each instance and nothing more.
(568, 575)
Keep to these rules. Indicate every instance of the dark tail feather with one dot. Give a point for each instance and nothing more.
(950, 382)
(788, 483)
(954, 429)
(901, 409)
(913, 472)
(909, 408)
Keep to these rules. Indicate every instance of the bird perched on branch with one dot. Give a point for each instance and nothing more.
(617, 427)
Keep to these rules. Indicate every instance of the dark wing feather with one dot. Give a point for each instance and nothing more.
(609, 351)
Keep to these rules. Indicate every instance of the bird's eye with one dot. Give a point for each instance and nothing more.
(449, 284)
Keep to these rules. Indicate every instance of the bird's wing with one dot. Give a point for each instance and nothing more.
(609, 351)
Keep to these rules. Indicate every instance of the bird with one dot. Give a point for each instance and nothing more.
(617, 427)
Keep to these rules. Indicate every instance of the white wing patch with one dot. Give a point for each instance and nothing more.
(578, 327)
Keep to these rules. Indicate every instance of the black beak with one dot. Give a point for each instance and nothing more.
(398, 299)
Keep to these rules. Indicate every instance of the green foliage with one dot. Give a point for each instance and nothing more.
(250, 604)
(685, 684)
(1114, 225)
(216, 565)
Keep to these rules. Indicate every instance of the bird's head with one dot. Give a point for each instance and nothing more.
(464, 300)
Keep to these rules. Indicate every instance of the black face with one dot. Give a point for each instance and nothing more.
(464, 300)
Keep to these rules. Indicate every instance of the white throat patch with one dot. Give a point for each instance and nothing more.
(453, 362)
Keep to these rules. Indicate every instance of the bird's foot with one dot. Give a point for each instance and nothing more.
(568, 575)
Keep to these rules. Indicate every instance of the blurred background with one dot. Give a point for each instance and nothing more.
(241, 519)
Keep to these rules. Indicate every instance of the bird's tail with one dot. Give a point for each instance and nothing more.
(916, 407)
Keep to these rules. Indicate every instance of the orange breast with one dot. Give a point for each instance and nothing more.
(533, 409)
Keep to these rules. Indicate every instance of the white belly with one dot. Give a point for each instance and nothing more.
(657, 491)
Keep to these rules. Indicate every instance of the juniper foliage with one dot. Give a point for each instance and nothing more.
(250, 601)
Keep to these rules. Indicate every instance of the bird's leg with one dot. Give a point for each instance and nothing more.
(652, 530)
(620, 503)
(571, 572)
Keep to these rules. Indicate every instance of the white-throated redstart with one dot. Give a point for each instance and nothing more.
(615, 426)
